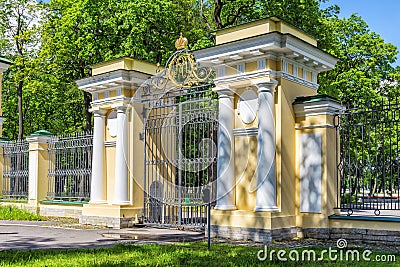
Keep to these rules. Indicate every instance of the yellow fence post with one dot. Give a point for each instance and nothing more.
(38, 168)
(316, 181)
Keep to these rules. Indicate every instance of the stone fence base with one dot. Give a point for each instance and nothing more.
(111, 222)
(355, 235)
(354, 229)
(256, 234)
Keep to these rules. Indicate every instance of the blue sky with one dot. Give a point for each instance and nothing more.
(383, 17)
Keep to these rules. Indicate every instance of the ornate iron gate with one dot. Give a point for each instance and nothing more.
(369, 157)
(180, 131)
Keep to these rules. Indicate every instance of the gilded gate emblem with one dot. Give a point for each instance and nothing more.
(181, 70)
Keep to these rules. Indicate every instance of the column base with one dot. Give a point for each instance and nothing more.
(225, 207)
(97, 201)
(113, 216)
(266, 208)
(121, 203)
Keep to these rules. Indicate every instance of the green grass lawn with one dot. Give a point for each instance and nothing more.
(15, 213)
(187, 254)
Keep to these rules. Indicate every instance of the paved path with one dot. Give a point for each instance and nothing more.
(46, 235)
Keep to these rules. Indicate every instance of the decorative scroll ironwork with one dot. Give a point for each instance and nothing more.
(70, 167)
(369, 157)
(16, 169)
(181, 72)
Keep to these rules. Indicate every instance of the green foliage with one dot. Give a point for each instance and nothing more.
(364, 62)
(187, 254)
(304, 14)
(348, 198)
(20, 29)
(15, 213)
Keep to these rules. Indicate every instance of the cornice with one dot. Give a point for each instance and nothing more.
(324, 107)
(247, 47)
(128, 79)
(112, 101)
(41, 139)
(298, 80)
(309, 51)
(273, 44)
(246, 77)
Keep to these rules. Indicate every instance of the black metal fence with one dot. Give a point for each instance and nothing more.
(70, 169)
(369, 157)
(15, 169)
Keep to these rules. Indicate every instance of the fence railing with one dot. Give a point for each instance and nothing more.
(369, 157)
(70, 167)
(15, 170)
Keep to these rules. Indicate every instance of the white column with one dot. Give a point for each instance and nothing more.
(226, 163)
(266, 170)
(121, 159)
(98, 182)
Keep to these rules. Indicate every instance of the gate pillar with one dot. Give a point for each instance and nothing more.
(226, 162)
(38, 168)
(116, 198)
(267, 64)
(266, 171)
(316, 165)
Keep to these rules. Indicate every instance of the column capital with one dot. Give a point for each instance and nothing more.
(99, 111)
(223, 91)
(121, 107)
(265, 85)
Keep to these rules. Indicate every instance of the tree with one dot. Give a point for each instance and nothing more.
(78, 34)
(18, 27)
(219, 14)
(364, 61)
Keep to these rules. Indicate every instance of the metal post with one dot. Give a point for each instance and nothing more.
(180, 165)
(209, 224)
(145, 164)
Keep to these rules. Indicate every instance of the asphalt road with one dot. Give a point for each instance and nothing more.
(16, 235)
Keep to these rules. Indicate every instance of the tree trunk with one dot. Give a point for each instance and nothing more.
(88, 98)
(217, 13)
(20, 114)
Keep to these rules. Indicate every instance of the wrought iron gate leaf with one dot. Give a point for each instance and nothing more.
(180, 131)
